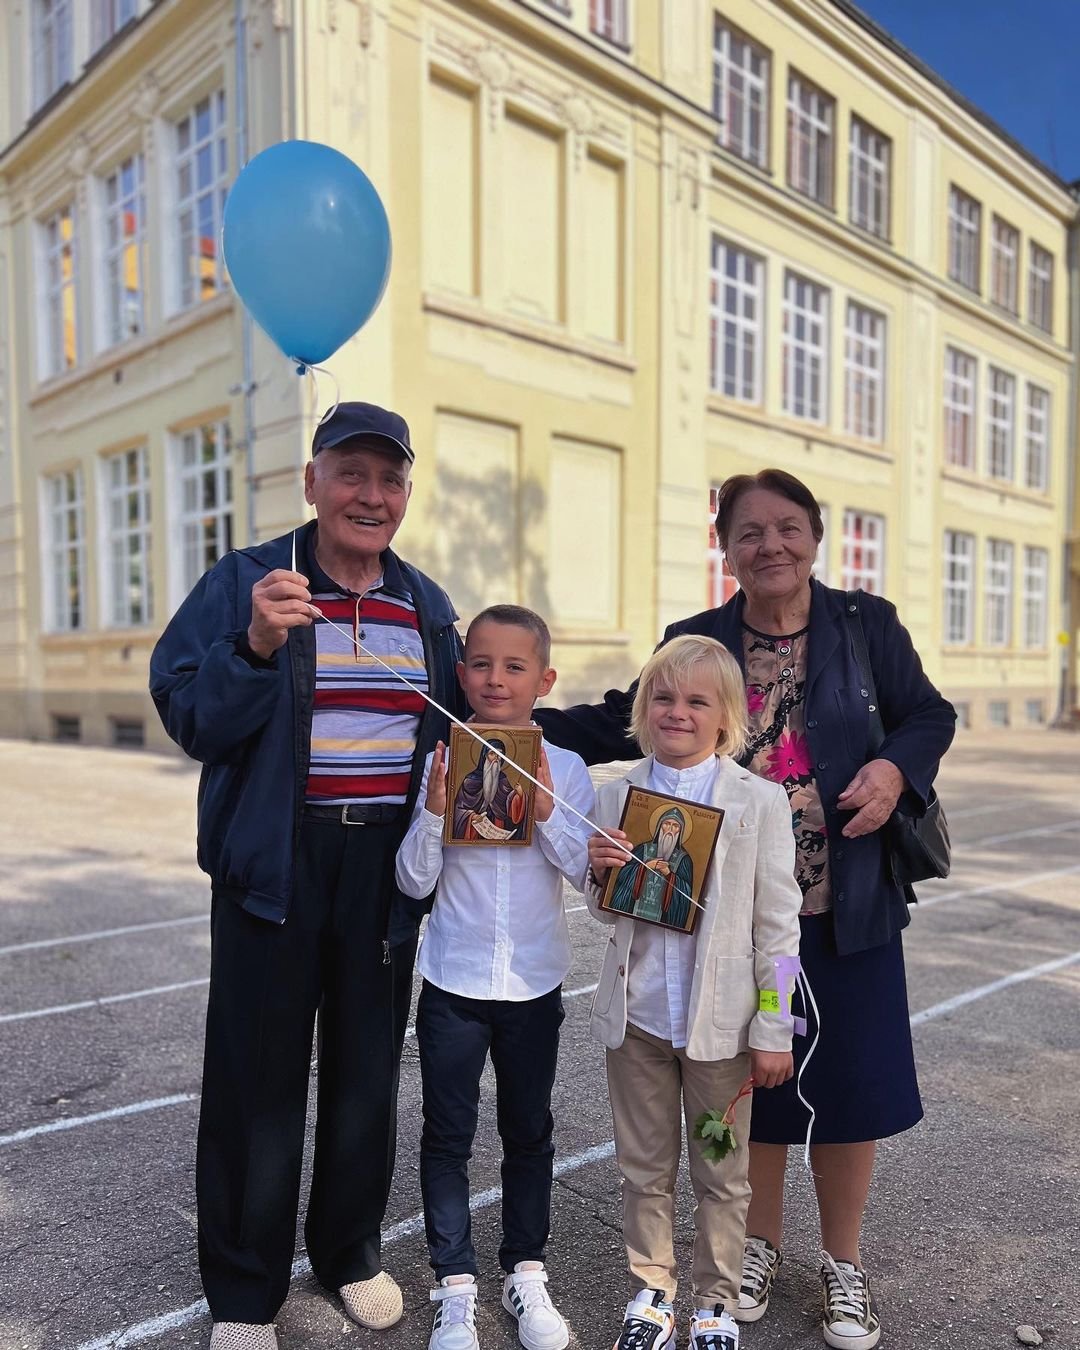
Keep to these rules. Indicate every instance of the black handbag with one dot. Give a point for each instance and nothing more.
(918, 846)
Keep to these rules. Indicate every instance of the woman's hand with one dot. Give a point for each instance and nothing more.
(603, 855)
(545, 802)
(435, 801)
(872, 794)
(770, 1068)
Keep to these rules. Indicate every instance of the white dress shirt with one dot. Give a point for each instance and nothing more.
(661, 968)
(498, 929)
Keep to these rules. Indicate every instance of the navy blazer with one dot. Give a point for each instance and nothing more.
(869, 906)
(249, 722)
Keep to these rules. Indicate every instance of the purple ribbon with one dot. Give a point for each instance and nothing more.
(788, 969)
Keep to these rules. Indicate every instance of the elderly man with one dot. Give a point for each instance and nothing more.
(312, 754)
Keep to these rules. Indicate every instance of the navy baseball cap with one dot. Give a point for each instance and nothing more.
(351, 420)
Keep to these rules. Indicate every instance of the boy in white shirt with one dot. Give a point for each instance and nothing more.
(493, 958)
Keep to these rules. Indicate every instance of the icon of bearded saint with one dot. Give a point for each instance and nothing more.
(661, 889)
(487, 795)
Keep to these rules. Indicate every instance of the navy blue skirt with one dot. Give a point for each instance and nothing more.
(861, 1078)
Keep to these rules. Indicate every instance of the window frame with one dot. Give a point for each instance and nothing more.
(723, 68)
(1001, 259)
(964, 234)
(864, 384)
(816, 185)
(52, 49)
(187, 280)
(609, 20)
(1040, 287)
(956, 412)
(746, 290)
(1036, 441)
(109, 17)
(126, 543)
(854, 576)
(114, 250)
(793, 311)
(863, 170)
(998, 583)
(64, 551)
(720, 581)
(187, 520)
(1000, 425)
(52, 354)
(1035, 600)
(958, 590)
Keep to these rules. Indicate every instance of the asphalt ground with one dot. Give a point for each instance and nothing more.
(974, 1221)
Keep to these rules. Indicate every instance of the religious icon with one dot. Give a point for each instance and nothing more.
(672, 844)
(490, 799)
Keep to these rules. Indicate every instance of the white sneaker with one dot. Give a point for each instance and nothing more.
(716, 1330)
(649, 1323)
(540, 1324)
(243, 1336)
(760, 1262)
(848, 1319)
(455, 1321)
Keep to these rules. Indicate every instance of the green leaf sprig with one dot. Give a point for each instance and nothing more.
(716, 1129)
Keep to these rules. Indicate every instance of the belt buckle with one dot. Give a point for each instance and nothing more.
(345, 817)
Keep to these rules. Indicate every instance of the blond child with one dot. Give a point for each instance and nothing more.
(685, 1017)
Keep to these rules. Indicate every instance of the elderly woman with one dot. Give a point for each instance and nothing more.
(810, 730)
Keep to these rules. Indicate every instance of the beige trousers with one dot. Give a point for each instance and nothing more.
(651, 1084)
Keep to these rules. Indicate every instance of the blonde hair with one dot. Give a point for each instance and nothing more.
(671, 667)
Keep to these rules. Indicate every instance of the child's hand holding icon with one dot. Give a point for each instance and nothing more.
(545, 802)
(435, 801)
(604, 855)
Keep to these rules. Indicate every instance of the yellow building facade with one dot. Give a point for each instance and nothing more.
(638, 246)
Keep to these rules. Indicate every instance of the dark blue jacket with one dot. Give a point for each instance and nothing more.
(249, 723)
(868, 905)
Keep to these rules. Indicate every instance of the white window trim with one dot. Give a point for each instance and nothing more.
(754, 92)
(179, 582)
(864, 372)
(820, 568)
(52, 360)
(1037, 439)
(1036, 597)
(112, 584)
(870, 178)
(809, 350)
(107, 336)
(1041, 287)
(958, 577)
(868, 576)
(107, 18)
(1004, 263)
(961, 404)
(1000, 425)
(55, 551)
(748, 287)
(613, 23)
(716, 562)
(815, 128)
(965, 239)
(179, 265)
(52, 67)
(998, 592)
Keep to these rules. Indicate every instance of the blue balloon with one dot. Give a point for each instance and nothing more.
(307, 245)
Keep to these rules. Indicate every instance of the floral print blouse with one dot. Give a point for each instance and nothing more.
(778, 749)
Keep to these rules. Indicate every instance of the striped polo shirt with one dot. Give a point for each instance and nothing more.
(365, 720)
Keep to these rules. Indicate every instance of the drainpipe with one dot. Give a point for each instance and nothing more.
(246, 340)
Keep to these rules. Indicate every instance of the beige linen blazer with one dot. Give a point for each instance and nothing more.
(751, 915)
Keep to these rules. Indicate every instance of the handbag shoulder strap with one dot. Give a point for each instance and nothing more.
(862, 656)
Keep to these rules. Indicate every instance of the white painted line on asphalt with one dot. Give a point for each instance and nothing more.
(102, 933)
(997, 887)
(973, 995)
(986, 809)
(1022, 834)
(101, 1002)
(115, 1113)
(576, 909)
(406, 1228)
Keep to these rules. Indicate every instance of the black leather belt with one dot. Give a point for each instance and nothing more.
(357, 813)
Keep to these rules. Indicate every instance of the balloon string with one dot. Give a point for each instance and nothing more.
(302, 368)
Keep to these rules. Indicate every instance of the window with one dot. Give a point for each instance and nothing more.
(811, 115)
(741, 94)
(1035, 711)
(201, 188)
(736, 303)
(959, 408)
(127, 537)
(107, 18)
(206, 523)
(806, 347)
(997, 712)
(1036, 592)
(66, 729)
(965, 217)
(50, 36)
(1004, 264)
(1000, 422)
(820, 565)
(608, 19)
(65, 542)
(60, 347)
(869, 167)
(963, 715)
(998, 590)
(1041, 288)
(959, 588)
(721, 580)
(1037, 440)
(129, 733)
(125, 250)
(864, 372)
(863, 558)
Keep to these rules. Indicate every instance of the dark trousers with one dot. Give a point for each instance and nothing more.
(267, 982)
(455, 1036)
